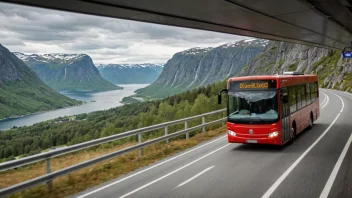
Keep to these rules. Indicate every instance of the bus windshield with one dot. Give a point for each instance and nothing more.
(249, 107)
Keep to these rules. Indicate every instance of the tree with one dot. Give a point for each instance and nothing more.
(108, 130)
(201, 105)
(8, 151)
(166, 112)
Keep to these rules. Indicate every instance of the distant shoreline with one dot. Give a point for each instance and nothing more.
(104, 100)
(38, 112)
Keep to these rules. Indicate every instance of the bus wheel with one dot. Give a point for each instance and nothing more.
(311, 121)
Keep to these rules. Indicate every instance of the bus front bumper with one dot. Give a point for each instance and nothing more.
(255, 140)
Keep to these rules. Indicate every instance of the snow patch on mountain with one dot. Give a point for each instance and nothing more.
(54, 57)
(144, 65)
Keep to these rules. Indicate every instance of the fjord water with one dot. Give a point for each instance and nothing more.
(103, 100)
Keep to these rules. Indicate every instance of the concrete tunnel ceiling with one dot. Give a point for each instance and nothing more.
(323, 23)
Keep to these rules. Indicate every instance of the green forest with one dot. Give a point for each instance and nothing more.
(24, 141)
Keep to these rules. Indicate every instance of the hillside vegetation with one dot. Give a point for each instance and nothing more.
(33, 139)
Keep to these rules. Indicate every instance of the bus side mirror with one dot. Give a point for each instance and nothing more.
(219, 95)
(219, 99)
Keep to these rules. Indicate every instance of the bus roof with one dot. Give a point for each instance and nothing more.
(271, 77)
(284, 80)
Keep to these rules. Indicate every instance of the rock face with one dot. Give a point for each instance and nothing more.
(334, 72)
(202, 66)
(75, 72)
(22, 92)
(130, 73)
(280, 56)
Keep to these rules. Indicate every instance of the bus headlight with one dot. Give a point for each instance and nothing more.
(273, 134)
(231, 132)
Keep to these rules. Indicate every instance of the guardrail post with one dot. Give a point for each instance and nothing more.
(166, 133)
(49, 184)
(203, 122)
(186, 127)
(140, 151)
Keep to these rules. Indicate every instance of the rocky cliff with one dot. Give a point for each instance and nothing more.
(74, 72)
(334, 72)
(202, 66)
(22, 92)
(130, 73)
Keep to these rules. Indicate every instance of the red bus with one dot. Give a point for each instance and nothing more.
(270, 109)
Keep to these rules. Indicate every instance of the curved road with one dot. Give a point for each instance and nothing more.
(317, 164)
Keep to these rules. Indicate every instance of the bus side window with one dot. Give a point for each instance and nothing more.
(292, 98)
(303, 95)
(308, 94)
(298, 97)
(233, 104)
(313, 90)
(317, 88)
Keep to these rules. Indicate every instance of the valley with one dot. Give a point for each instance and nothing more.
(130, 73)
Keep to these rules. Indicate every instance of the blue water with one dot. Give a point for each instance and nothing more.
(103, 100)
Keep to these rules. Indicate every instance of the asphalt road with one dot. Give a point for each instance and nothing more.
(317, 164)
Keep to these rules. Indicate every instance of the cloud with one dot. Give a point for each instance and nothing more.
(106, 40)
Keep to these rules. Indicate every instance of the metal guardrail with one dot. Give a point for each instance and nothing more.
(48, 155)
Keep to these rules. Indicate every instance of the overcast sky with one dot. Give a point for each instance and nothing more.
(106, 40)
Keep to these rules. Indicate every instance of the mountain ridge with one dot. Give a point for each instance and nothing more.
(198, 67)
(74, 72)
(22, 92)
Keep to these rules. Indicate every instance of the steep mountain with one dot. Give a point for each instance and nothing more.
(202, 66)
(74, 72)
(334, 72)
(130, 73)
(22, 92)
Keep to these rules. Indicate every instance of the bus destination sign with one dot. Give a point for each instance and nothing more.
(253, 84)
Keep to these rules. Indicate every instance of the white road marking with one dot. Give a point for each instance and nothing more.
(147, 169)
(323, 100)
(270, 191)
(343, 104)
(334, 172)
(160, 178)
(192, 178)
(326, 101)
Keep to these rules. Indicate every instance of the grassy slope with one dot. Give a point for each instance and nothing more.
(102, 172)
(20, 98)
(157, 91)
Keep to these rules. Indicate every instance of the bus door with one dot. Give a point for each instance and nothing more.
(285, 112)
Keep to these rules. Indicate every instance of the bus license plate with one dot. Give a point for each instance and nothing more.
(252, 141)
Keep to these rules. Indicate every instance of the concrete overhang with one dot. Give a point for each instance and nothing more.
(323, 23)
